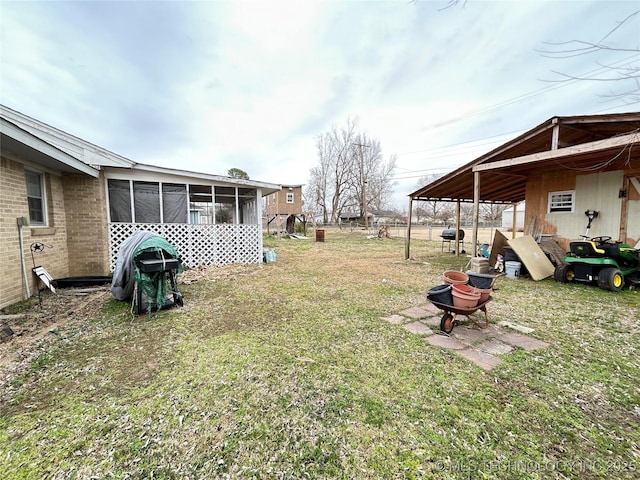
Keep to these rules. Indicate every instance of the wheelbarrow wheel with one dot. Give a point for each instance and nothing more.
(178, 300)
(446, 323)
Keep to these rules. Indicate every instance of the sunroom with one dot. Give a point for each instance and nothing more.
(210, 219)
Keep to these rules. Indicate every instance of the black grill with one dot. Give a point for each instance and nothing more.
(450, 234)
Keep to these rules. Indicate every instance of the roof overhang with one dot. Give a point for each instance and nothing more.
(21, 145)
(186, 175)
(583, 152)
(583, 144)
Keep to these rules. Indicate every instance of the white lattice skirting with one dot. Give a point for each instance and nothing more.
(197, 244)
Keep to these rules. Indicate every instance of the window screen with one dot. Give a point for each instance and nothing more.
(120, 201)
(174, 203)
(146, 202)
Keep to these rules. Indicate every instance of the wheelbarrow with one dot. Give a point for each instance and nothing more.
(451, 312)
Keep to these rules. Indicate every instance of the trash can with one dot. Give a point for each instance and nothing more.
(319, 235)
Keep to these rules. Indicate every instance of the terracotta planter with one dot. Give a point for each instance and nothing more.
(485, 293)
(454, 277)
(465, 296)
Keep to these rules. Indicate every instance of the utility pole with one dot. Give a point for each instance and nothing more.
(364, 185)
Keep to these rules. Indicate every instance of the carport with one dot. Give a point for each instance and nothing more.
(567, 145)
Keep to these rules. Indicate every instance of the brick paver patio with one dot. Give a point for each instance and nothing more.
(482, 346)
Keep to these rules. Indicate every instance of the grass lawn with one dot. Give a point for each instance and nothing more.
(286, 370)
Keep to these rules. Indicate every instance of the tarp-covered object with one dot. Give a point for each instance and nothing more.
(126, 272)
(154, 284)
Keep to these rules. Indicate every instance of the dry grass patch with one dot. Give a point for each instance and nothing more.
(286, 370)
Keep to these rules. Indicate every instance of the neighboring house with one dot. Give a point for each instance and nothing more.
(83, 201)
(284, 205)
(507, 217)
(386, 217)
(562, 168)
(346, 217)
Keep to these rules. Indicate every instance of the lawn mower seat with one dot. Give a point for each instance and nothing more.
(586, 249)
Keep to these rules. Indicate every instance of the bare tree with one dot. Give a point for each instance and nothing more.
(372, 177)
(434, 210)
(351, 174)
(624, 71)
(492, 211)
(317, 191)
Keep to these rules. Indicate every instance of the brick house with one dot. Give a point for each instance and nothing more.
(83, 201)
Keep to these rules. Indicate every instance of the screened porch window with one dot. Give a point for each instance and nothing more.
(174, 203)
(120, 201)
(132, 201)
(562, 202)
(146, 202)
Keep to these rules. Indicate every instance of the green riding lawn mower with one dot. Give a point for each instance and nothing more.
(610, 264)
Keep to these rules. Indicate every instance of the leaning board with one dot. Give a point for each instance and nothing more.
(537, 263)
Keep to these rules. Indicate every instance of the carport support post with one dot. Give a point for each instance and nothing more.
(407, 241)
(476, 211)
(458, 228)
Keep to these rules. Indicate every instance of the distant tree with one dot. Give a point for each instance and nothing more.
(434, 210)
(492, 211)
(238, 173)
(351, 174)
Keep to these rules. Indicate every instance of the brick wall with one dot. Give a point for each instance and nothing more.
(13, 204)
(87, 230)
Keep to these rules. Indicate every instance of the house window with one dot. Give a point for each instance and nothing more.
(562, 202)
(36, 198)
(289, 197)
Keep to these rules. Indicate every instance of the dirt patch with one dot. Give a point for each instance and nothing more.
(18, 331)
(23, 327)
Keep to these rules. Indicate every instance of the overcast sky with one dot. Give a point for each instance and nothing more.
(207, 86)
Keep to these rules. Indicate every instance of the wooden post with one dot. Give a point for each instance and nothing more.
(513, 225)
(458, 228)
(407, 240)
(476, 211)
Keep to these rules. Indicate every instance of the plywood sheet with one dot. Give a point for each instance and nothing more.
(499, 242)
(530, 253)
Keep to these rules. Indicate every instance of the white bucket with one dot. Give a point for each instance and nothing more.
(512, 269)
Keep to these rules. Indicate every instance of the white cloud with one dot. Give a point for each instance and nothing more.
(215, 85)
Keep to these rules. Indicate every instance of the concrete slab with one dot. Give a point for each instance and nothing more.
(431, 308)
(418, 328)
(469, 335)
(522, 341)
(446, 342)
(515, 326)
(492, 330)
(494, 347)
(432, 321)
(395, 319)
(481, 359)
(415, 312)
